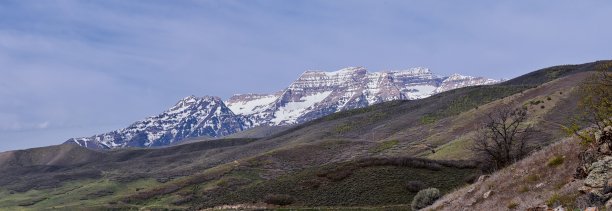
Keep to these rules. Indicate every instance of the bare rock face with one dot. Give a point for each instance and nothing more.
(599, 172)
(598, 183)
(487, 194)
(316, 94)
(604, 139)
(482, 178)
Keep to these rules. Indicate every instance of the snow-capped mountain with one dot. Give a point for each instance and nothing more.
(190, 117)
(316, 93)
(457, 81)
(313, 95)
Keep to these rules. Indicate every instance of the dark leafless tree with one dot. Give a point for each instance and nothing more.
(502, 139)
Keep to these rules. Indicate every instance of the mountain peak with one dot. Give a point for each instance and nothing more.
(457, 76)
(192, 100)
(343, 71)
(347, 71)
(413, 71)
(191, 117)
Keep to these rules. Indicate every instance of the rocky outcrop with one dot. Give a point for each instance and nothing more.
(604, 141)
(596, 169)
(599, 173)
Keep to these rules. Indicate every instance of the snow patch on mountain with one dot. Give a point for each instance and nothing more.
(290, 112)
(255, 104)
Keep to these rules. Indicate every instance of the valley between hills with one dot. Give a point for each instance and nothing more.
(358, 159)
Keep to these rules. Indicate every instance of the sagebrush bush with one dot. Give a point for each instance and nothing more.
(533, 178)
(279, 199)
(415, 186)
(553, 199)
(512, 205)
(339, 174)
(425, 198)
(555, 161)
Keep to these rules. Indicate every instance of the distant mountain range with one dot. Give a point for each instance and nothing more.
(313, 95)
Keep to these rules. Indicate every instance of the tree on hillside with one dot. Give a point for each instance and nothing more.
(502, 139)
(595, 106)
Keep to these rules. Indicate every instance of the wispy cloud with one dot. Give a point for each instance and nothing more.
(71, 68)
(15, 125)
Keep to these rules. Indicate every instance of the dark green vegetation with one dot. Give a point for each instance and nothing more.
(425, 198)
(370, 182)
(357, 158)
(555, 161)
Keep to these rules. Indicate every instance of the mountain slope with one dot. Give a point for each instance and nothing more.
(321, 158)
(190, 117)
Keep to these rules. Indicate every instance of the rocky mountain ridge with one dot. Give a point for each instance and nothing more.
(316, 93)
(190, 117)
(313, 95)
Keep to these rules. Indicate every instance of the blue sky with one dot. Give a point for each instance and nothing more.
(77, 68)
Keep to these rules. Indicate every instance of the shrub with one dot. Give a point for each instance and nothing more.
(548, 98)
(339, 175)
(279, 199)
(344, 128)
(311, 183)
(533, 178)
(523, 189)
(512, 205)
(183, 200)
(385, 145)
(552, 200)
(555, 161)
(535, 102)
(425, 198)
(569, 200)
(428, 119)
(415, 186)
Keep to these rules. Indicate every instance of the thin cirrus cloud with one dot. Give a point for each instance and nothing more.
(75, 68)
